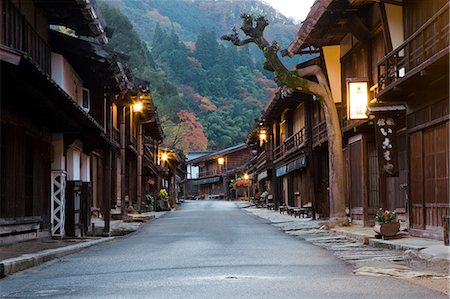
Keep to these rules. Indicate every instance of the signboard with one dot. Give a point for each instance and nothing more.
(262, 175)
(281, 171)
(297, 164)
(294, 165)
(386, 138)
(206, 181)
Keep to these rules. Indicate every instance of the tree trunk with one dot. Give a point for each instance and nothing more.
(295, 80)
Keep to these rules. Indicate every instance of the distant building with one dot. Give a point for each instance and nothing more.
(210, 173)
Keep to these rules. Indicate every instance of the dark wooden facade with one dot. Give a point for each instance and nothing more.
(60, 123)
(286, 164)
(417, 73)
(401, 49)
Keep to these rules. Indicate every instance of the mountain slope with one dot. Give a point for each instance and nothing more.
(219, 86)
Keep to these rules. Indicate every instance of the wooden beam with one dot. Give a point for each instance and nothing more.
(393, 2)
(359, 29)
(386, 33)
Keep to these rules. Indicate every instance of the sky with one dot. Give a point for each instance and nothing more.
(296, 9)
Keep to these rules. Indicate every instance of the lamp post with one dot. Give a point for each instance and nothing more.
(262, 136)
(221, 162)
(137, 108)
(246, 177)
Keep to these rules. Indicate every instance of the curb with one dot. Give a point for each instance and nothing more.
(13, 265)
(357, 237)
(389, 245)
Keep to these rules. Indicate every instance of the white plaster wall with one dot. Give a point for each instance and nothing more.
(66, 77)
(85, 168)
(58, 158)
(73, 164)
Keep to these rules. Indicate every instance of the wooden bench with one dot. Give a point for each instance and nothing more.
(301, 212)
(283, 209)
(290, 210)
(215, 196)
(22, 225)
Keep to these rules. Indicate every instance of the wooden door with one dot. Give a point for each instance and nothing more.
(429, 177)
(416, 180)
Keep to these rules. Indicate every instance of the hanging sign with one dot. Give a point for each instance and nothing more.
(386, 138)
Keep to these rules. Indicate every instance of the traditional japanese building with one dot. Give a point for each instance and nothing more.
(217, 169)
(39, 118)
(397, 53)
(415, 72)
(63, 142)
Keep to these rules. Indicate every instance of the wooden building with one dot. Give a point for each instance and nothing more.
(38, 118)
(217, 169)
(62, 147)
(415, 72)
(400, 49)
(290, 152)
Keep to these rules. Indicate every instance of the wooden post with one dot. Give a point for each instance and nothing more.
(446, 223)
(122, 161)
(107, 190)
(174, 182)
(139, 167)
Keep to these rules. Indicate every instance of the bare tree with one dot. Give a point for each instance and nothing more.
(295, 81)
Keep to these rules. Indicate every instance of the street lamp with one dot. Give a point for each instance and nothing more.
(164, 157)
(138, 106)
(358, 98)
(246, 177)
(262, 137)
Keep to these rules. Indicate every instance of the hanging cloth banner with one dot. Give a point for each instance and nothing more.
(386, 138)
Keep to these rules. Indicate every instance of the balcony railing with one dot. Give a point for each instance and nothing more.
(319, 133)
(134, 142)
(213, 172)
(291, 144)
(431, 40)
(116, 135)
(264, 156)
(17, 33)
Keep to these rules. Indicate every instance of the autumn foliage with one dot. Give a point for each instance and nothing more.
(241, 183)
(192, 134)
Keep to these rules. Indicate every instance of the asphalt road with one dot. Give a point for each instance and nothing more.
(206, 249)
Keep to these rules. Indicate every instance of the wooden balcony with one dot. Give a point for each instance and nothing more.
(421, 50)
(290, 145)
(116, 135)
(264, 156)
(319, 133)
(209, 173)
(16, 33)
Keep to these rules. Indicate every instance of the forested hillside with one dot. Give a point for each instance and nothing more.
(208, 92)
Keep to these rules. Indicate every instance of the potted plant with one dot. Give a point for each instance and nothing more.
(263, 197)
(163, 196)
(386, 223)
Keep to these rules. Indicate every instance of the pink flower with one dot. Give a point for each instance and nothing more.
(385, 213)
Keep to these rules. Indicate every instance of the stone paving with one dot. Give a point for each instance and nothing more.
(367, 260)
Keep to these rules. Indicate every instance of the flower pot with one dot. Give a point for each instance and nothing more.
(388, 229)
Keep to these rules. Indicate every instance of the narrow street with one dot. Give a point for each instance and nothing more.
(205, 249)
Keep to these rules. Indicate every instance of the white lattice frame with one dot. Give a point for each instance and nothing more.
(58, 201)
